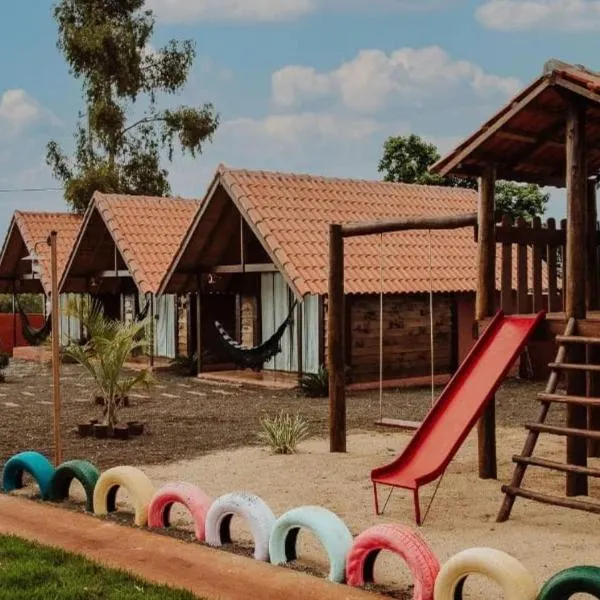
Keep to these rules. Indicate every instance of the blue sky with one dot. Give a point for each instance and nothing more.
(301, 85)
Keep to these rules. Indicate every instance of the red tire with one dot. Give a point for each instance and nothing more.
(400, 540)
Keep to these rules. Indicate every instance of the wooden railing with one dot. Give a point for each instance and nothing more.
(535, 281)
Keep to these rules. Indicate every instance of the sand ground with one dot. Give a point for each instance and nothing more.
(545, 539)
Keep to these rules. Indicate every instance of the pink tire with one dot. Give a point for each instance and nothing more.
(190, 496)
(400, 540)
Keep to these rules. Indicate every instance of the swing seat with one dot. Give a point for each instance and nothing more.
(398, 423)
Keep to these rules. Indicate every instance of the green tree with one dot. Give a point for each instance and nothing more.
(106, 44)
(407, 159)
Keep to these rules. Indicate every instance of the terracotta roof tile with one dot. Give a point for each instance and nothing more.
(35, 227)
(293, 213)
(148, 231)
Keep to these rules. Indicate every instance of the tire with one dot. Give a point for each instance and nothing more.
(81, 470)
(567, 583)
(514, 579)
(190, 496)
(136, 482)
(249, 507)
(34, 463)
(400, 540)
(325, 525)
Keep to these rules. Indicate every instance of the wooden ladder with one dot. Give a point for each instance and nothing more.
(526, 459)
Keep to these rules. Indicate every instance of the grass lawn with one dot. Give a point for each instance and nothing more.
(32, 572)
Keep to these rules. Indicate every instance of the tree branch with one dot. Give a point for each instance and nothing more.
(154, 119)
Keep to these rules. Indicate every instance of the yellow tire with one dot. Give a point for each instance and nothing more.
(136, 482)
(505, 570)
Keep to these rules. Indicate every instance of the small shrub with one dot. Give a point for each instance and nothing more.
(283, 433)
(315, 385)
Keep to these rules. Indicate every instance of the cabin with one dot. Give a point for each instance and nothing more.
(25, 269)
(259, 242)
(120, 255)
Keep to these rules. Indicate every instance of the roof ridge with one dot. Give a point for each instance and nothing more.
(337, 179)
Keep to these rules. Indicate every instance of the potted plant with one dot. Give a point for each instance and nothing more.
(109, 344)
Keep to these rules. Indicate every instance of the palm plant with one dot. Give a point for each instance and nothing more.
(108, 345)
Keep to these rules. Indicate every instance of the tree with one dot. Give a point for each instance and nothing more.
(106, 44)
(407, 159)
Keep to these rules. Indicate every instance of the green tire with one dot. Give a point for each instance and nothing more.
(567, 583)
(81, 470)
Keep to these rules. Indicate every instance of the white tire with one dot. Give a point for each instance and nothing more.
(329, 529)
(505, 570)
(246, 506)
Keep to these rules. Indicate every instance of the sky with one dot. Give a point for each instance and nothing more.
(312, 86)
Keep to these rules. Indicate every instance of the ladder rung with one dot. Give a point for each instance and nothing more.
(554, 500)
(574, 367)
(566, 431)
(566, 399)
(555, 466)
(577, 339)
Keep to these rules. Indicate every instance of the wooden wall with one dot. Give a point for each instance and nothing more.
(406, 336)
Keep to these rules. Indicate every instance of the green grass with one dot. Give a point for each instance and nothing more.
(32, 572)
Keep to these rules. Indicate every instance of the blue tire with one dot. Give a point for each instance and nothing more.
(34, 463)
(329, 529)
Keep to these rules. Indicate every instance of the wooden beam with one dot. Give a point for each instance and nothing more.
(405, 224)
(529, 139)
(56, 399)
(335, 342)
(579, 90)
(242, 268)
(539, 143)
(199, 329)
(300, 339)
(484, 307)
(575, 282)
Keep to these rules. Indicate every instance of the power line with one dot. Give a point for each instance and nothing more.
(18, 190)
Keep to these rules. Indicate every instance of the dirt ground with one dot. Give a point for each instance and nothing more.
(186, 418)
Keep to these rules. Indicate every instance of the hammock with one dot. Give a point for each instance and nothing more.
(256, 356)
(34, 337)
(142, 314)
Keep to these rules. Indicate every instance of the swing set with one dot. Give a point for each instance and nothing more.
(336, 314)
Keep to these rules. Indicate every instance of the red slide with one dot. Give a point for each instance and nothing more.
(456, 411)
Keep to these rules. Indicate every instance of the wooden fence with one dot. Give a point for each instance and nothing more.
(535, 281)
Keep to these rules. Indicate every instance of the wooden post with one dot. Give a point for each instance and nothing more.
(506, 294)
(55, 350)
(576, 181)
(484, 307)
(335, 342)
(591, 303)
(199, 329)
(152, 330)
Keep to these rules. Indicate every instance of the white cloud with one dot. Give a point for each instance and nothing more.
(179, 11)
(295, 128)
(374, 79)
(521, 15)
(18, 110)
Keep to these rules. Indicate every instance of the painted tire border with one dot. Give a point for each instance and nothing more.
(583, 579)
(402, 541)
(34, 463)
(514, 579)
(141, 491)
(188, 495)
(325, 525)
(250, 508)
(81, 470)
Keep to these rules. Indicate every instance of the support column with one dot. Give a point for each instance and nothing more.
(575, 300)
(335, 342)
(199, 330)
(592, 303)
(484, 307)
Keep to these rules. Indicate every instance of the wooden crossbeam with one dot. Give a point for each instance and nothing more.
(566, 399)
(564, 431)
(556, 466)
(512, 492)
